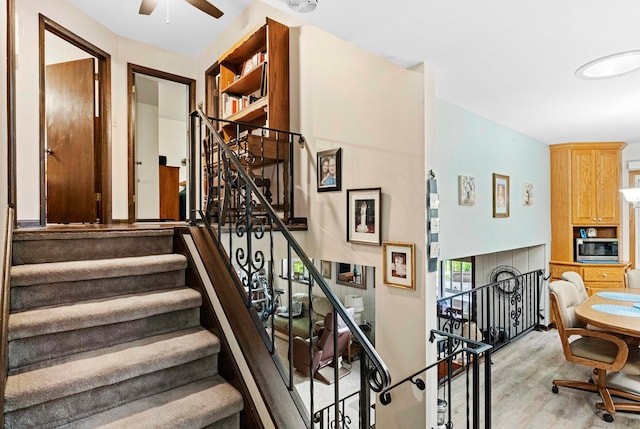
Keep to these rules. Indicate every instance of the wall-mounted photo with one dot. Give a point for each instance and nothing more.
(363, 216)
(466, 190)
(399, 265)
(325, 269)
(351, 275)
(527, 194)
(500, 195)
(329, 170)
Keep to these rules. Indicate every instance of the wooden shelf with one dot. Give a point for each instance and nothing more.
(253, 42)
(248, 83)
(249, 113)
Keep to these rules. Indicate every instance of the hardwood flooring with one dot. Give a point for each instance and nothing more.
(521, 390)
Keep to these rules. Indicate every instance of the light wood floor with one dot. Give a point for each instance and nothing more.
(521, 390)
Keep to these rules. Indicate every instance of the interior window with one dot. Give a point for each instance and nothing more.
(456, 275)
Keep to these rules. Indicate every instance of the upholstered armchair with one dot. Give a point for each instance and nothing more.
(322, 353)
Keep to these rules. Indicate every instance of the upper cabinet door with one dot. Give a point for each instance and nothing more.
(583, 200)
(607, 181)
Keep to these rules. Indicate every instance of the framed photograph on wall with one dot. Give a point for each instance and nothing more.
(500, 195)
(329, 170)
(398, 265)
(363, 216)
(351, 275)
(527, 194)
(325, 269)
(466, 190)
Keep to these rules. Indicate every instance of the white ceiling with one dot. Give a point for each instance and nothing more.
(511, 61)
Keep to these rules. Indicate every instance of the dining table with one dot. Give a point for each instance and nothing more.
(615, 310)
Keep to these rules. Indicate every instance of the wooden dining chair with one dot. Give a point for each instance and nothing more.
(599, 350)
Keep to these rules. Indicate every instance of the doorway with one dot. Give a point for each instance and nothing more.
(159, 107)
(75, 179)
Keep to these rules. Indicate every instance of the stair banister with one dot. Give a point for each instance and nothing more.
(379, 377)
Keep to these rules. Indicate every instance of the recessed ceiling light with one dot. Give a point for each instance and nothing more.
(610, 66)
(302, 5)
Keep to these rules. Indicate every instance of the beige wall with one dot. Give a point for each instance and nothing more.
(4, 164)
(121, 50)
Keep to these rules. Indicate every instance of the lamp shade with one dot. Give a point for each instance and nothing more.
(354, 301)
(632, 195)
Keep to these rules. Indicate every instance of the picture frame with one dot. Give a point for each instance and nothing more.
(325, 269)
(500, 195)
(329, 174)
(351, 275)
(363, 216)
(399, 265)
(527, 194)
(466, 190)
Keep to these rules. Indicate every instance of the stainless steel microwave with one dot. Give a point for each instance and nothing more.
(597, 250)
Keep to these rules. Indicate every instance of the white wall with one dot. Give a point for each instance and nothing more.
(4, 164)
(121, 50)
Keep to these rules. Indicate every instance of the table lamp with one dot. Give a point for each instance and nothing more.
(357, 303)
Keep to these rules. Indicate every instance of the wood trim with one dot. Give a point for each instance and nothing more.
(104, 102)
(5, 303)
(11, 104)
(211, 90)
(632, 223)
(273, 389)
(131, 70)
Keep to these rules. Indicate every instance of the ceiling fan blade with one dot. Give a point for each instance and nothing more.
(147, 6)
(206, 7)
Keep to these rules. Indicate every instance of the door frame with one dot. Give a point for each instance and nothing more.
(103, 149)
(132, 69)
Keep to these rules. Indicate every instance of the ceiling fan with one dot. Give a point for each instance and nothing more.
(147, 6)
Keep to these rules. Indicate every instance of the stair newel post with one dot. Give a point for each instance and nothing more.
(365, 392)
(192, 170)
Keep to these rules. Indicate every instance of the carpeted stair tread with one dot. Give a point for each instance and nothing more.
(90, 370)
(100, 312)
(189, 406)
(46, 246)
(54, 272)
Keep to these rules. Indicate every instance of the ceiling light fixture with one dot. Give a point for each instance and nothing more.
(610, 66)
(302, 5)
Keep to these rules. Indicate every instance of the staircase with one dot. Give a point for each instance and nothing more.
(103, 333)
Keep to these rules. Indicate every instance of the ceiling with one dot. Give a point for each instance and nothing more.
(512, 62)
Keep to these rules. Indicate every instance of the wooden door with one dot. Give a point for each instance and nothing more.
(70, 164)
(608, 187)
(583, 186)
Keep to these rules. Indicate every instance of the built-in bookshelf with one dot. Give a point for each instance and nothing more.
(254, 80)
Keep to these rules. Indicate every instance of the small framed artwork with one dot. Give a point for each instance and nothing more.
(329, 170)
(466, 190)
(351, 275)
(398, 265)
(325, 269)
(527, 194)
(500, 195)
(363, 216)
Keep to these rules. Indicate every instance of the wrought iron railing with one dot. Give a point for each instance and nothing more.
(495, 313)
(245, 225)
(453, 348)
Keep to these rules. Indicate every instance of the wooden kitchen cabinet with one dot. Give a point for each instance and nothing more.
(595, 276)
(585, 183)
(595, 181)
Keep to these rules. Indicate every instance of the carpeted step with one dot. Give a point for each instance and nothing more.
(92, 324)
(188, 406)
(45, 284)
(78, 378)
(44, 246)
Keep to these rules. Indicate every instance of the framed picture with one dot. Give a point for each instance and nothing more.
(398, 265)
(466, 190)
(351, 275)
(500, 195)
(329, 170)
(363, 216)
(325, 269)
(527, 194)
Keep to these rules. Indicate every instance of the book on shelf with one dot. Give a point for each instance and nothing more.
(253, 62)
(263, 80)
